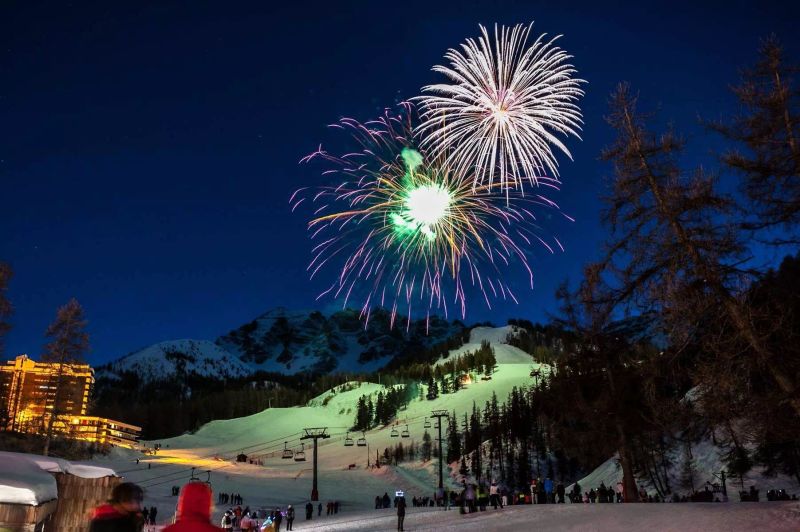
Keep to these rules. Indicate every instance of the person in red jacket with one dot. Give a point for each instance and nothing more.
(194, 510)
(122, 512)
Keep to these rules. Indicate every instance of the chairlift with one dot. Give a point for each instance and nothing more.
(193, 478)
(394, 433)
(427, 424)
(405, 433)
(287, 453)
(362, 441)
(300, 456)
(348, 441)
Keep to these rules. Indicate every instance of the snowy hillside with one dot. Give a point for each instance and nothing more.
(171, 358)
(295, 341)
(279, 481)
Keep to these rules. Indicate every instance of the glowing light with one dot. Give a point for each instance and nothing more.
(504, 110)
(402, 228)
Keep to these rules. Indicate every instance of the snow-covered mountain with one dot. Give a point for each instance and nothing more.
(290, 342)
(165, 360)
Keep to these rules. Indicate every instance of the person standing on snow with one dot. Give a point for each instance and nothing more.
(548, 489)
(194, 510)
(309, 510)
(401, 513)
(122, 512)
(560, 491)
(289, 517)
(227, 521)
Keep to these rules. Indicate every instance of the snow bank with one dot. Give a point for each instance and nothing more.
(28, 478)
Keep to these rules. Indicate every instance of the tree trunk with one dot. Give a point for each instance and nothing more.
(732, 307)
(54, 413)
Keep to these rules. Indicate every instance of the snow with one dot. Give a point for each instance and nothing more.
(577, 517)
(279, 482)
(708, 462)
(166, 359)
(28, 479)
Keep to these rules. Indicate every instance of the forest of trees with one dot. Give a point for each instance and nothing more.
(676, 334)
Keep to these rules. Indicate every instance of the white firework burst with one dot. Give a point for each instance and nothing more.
(505, 108)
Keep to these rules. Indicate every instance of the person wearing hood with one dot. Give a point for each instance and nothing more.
(122, 512)
(194, 510)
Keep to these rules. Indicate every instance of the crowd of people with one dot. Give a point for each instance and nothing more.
(229, 498)
(124, 511)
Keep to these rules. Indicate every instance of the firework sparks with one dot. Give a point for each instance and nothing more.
(403, 230)
(504, 110)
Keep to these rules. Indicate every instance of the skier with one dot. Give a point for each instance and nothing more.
(534, 490)
(386, 500)
(493, 495)
(289, 517)
(378, 503)
(309, 510)
(278, 518)
(319, 510)
(560, 490)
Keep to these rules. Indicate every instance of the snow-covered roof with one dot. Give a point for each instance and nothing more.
(28, 478)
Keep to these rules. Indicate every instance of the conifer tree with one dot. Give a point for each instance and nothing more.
(69, 343)
(767, 137)
(453, 439)
(671, 248)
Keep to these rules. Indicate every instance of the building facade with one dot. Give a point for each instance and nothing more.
(30, 393)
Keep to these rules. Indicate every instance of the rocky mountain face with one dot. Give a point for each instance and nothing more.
(289, 342)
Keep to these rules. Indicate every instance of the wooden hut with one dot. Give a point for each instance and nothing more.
(25, 517)
(77, 498)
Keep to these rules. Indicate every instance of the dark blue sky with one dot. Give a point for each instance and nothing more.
(147, 153)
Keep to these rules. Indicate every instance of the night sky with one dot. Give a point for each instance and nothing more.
(147, 153)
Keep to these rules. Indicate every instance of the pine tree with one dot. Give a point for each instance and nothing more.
(380, 409)
(425, 448)
(671, 248)
(463, 469)
(453, 439)
(69, 342)
(769, 133)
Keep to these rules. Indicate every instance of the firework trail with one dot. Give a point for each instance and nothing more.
(504, 110)
(402, 230)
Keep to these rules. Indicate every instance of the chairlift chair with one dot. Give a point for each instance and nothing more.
(287, 453)
(348, 441)
(300, 456)
(394, 433)
(362, 441)
(405, 433)
(427, 424)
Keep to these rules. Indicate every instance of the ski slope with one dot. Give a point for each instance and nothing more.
(278, 481)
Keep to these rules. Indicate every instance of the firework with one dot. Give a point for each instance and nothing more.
(403, 230)
(504, 110)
